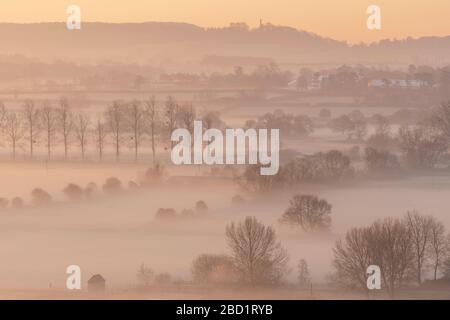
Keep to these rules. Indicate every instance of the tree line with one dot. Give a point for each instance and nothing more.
(121, 125)
(404, 249)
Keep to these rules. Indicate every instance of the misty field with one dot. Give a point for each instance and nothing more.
(113, 235)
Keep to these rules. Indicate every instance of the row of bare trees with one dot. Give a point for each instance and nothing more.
(128, 124)
(405, 250)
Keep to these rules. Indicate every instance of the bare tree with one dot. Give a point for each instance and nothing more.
(257, 255)
(171, 112)
(422, 146)
(333, 165)
(31, 114)
(352, 256)
(14, 130)
(441, 119)
(438, 246)
(304, 279)
(382, 125)
(2, 114)
(65, 123)
(115, 119)
(386, 243)
(145, 275)
(137, 125)
(81, 131)
(309, 212)
(186, 116)
(252, 180)
(420, 229)
(151, 115)
(391, 249)
(100, 137)
(49, 120)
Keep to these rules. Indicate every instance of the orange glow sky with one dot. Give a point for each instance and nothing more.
(338, 19)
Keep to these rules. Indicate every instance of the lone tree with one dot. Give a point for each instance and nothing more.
(257, 255)
(308, 212)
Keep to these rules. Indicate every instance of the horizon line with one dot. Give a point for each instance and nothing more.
(250, 28)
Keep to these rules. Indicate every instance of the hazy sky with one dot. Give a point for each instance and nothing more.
(339, 19)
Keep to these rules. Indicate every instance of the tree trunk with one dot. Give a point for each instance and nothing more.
(135, 145)
(14, 149)
(65, 147)
(48, 145)
(31, 142)
(153, 146)
(117, 147)
(435, 270)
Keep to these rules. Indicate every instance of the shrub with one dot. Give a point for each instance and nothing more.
(73, 191)
(201, 207)
(187, 213)
(17, 203)
(40, 197)
(153, 176)
(163, 279)
(165, 214)
(112, 185)
(212, 268)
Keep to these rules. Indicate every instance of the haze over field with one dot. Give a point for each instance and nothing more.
(182, 44)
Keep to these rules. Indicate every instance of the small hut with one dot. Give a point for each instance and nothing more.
(96, 283)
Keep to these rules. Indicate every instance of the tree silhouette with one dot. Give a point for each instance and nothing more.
(257, 256)
(308, 212)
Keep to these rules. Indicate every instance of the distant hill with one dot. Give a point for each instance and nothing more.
(181, 44)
